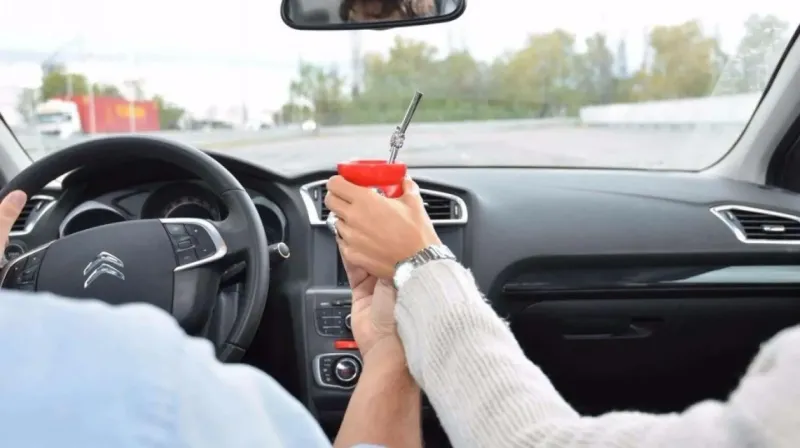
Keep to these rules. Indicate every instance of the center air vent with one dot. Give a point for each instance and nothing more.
(443, 208)
(757, 226)
(33, 209)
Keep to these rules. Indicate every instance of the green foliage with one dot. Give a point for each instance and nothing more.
(57, 82)
(547, 77)
(550, 75)
(168, 114)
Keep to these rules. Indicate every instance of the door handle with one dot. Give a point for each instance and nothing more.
(592, 329)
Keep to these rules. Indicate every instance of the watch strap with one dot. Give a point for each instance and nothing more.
(433, 252)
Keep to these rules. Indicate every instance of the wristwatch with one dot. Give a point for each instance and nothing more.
(403, 269)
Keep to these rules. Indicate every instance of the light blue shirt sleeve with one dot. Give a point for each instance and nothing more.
(80, 373)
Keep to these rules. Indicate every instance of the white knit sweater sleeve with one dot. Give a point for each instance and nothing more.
(486, 393)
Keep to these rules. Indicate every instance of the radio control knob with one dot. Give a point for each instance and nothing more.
(348, 322)
(347, 369)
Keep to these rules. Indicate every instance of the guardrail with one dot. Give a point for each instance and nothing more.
(713, 111)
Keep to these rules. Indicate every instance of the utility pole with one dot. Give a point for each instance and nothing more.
(136, 94)
(450, 40)
(92, 111)
(356, 61)
(51, 63)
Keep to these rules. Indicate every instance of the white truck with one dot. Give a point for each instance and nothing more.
(58, 118)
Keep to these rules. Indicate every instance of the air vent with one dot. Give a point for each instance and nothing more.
(323, 210)
(752, 225)
(30, 213)
(443, 208)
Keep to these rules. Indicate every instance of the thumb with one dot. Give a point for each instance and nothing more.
(10, 209)
(411, 193)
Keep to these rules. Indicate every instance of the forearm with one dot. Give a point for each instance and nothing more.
(385, 408)
(468, 362)
(486, 393)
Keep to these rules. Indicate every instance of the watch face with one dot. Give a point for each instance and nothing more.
(402, 274)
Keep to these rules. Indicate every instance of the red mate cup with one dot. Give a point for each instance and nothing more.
(380, 174)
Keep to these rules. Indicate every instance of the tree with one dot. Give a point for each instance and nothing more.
(26, 104)
(540, 79)
(388, 82)
(323, 89)
(758, 53)
(547, 77)
(169, 114)
(459, 84)
(683, 64)
(292, 113)
(624, 81)
(57, 82)
(621, 60)
(107, 90)
(596, 72)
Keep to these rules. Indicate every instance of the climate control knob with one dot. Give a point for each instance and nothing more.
(348, 322)
(347, 369)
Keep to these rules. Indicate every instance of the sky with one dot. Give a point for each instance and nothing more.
(228, 52)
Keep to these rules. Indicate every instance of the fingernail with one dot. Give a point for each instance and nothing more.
(17, 198)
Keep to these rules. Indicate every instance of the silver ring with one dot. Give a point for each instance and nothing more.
(331, 223)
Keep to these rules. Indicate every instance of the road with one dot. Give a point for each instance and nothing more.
(556, 146)
(510, 144)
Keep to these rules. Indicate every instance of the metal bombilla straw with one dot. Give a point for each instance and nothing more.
(396, 142)
(399, 135)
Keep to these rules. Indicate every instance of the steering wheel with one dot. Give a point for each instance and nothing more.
(175, 264)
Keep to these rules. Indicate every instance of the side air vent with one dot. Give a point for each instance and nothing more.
(443, 208)
(34, 208)
(757, 226)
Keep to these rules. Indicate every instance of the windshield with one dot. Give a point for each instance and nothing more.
(614, 84)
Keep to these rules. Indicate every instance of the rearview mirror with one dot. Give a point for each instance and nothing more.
(368, 14)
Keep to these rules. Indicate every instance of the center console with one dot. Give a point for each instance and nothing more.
(340, 368)
(331, 355)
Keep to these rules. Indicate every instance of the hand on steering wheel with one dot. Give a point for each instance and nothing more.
(174, 264)
(10, 209)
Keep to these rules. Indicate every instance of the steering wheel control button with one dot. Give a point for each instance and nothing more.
(204, 245)
(337, 371)
(34, 259)
(28, 276)
(186, 256)
(23, 272)
(175, 230)
(191, 242)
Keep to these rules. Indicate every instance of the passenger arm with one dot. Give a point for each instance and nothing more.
(487, 393)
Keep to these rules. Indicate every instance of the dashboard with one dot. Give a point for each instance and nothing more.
(572, 258)
(178, 199)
